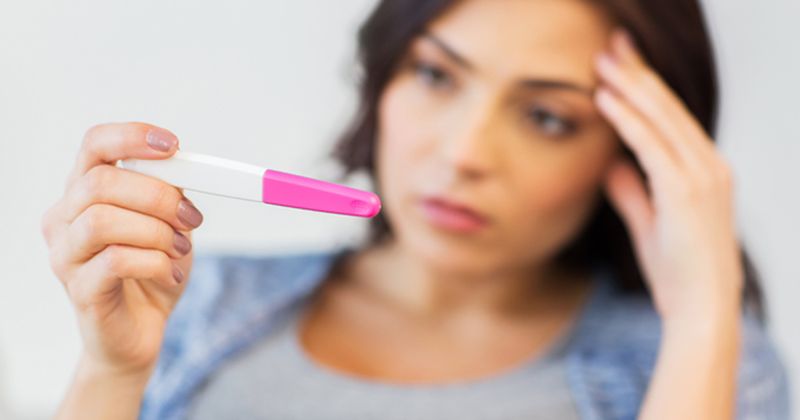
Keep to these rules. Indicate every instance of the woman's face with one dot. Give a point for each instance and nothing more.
(492, 109)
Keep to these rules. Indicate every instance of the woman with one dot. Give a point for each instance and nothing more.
(517, 147)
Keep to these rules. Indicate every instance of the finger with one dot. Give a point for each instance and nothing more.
(695, 134)
(627, 193)
(107, 143)
(630, 75)
(657, 160)
(50, 223)
(102, 225)
(105, 184)
(104, 273)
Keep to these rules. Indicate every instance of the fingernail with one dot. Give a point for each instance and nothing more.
(160, 139)
(182, 244)
(188, 214)
(177, 274)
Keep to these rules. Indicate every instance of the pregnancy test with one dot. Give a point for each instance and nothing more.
(228, 178)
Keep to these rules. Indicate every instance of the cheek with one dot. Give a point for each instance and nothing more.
(556, 194)
(570, 174)
(405, 120)
(401, 145)
(552, 190)
(396, 130)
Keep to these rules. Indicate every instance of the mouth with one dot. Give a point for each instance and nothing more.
(451, 215)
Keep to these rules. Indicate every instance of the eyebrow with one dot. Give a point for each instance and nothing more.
(533, 83)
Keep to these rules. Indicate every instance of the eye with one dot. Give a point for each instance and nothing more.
(432, 75)
(550, 123)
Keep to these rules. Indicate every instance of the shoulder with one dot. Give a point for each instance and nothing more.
(224, 289)
(228, 302)
(763, 388)
(621, 332)
(217, 280)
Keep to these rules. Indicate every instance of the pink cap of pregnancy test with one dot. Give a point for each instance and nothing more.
(283, 189)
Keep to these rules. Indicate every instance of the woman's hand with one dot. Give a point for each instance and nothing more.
(681, 222)
(119, 243)
(683, 229)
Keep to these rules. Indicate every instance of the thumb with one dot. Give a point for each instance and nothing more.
(108, 143)
(626, 192)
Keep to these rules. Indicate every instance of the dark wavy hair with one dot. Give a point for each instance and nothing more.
(673, 38)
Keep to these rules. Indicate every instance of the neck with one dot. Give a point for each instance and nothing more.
(419, 286)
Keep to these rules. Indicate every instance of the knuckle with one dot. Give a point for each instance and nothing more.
(96, 181)
(138, 127)
(661, 102)
(650, 79)
(163, 266)
(163, 234)
(91, 134)
(46, 225)
(162, 196)
(687, 190)
(725, 174)
(133, 132)
(57, 263)
(704, 185)
(92, 222)
(643, 78)
(94, 136)
(651, 82)
(113, 260)
(699, 188)
(155, 266)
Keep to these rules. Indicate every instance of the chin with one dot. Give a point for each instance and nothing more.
(450, 253)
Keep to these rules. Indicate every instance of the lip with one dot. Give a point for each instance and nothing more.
(452, 215)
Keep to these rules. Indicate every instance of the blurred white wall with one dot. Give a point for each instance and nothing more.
(759, 60)
(271, 83)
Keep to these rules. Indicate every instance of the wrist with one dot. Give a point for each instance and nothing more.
(703, 305)
(709, 321)
(102, 391)
(92, 370)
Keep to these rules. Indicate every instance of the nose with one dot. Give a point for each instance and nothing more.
(468, 147)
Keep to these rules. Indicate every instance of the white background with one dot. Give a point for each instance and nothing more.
(271, 83)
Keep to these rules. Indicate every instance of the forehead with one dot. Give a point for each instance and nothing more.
(524, 38)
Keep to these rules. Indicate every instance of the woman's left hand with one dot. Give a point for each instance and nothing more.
(683, 233)
(683, 228)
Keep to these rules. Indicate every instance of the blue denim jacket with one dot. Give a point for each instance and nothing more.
(234, 301)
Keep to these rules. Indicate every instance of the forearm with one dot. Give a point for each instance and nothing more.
(695, 375)
(97, 393)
